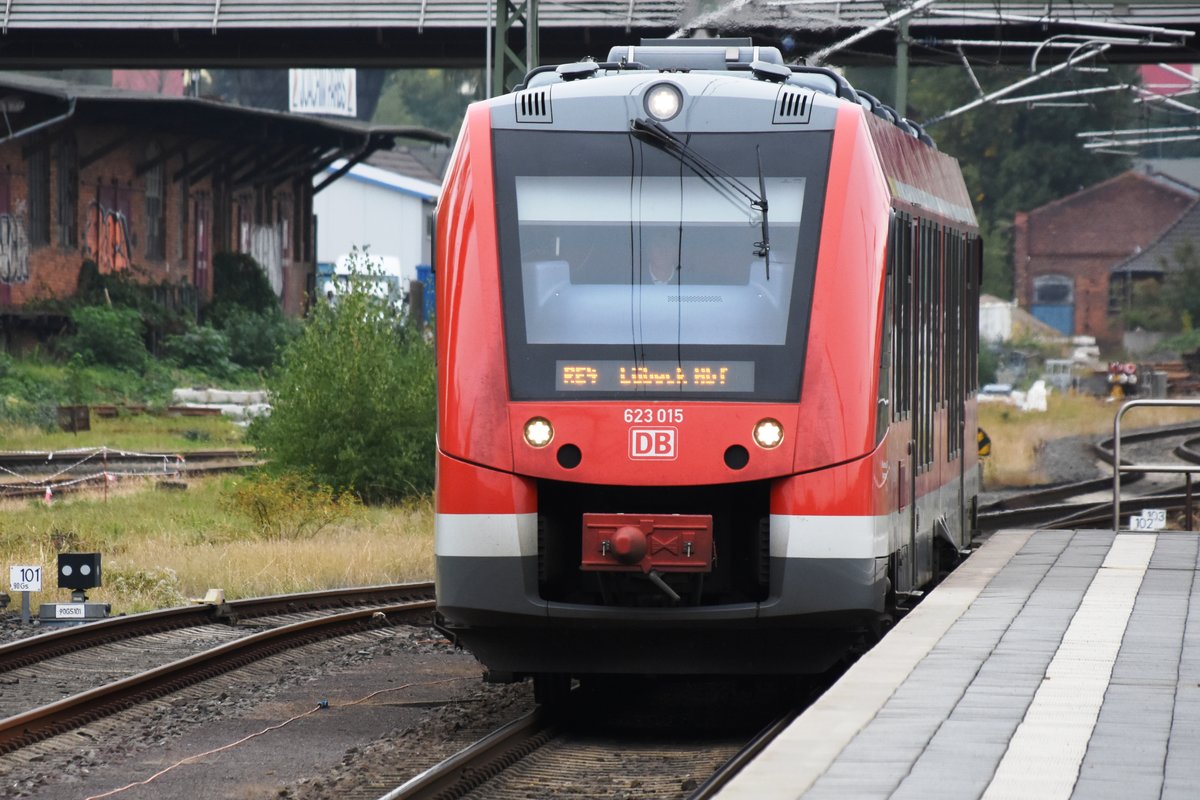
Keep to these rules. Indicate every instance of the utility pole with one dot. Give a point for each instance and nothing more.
(509, 66)
(902, 69)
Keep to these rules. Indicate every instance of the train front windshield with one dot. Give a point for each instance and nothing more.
(627, 272)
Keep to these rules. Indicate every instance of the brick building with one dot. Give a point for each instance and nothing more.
(1064, 252)
(1155, 261)
(154, 187)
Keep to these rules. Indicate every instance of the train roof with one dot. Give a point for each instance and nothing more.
(713, 55)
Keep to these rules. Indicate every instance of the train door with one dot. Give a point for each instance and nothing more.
(905, 372)
(959, 268)
(924, 401)
(974, 281)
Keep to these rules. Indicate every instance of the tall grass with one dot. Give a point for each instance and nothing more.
(1017, 436)
(137, 432)
(161, 548)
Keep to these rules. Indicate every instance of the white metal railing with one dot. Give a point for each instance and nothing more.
(1118, 467)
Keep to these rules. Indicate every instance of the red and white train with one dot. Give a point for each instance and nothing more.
(706, 333)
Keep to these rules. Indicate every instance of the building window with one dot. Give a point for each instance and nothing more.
(184, 207)
(14, 260)
(38, 167)
(68, 192)
(1053, 290)
(156, 246)
(242, 207)
(283, 220)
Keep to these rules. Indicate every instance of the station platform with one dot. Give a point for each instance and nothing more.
(1051, 664)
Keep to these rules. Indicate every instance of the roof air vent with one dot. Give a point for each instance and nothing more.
(793, 105)
(533, 105)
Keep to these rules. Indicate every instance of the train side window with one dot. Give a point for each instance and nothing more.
(883, 401)
(953, 367)
(924, 406)
(937, 320)
(922, 340)
(974, 273)
(904, 326)
(918, 312)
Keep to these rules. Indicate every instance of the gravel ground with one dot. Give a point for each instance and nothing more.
(1071, 459)
(402, 696)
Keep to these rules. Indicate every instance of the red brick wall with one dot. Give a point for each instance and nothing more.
(111, 183)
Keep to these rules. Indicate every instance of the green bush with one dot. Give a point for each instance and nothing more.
(78, 392)
(29, 395)
(111, 336)
(353, 401)
(989, 360)
(289, 506)
(239, 282)
(257, 339)
(125, 290)
(157, 587)
(203, 348)
(1186, 342)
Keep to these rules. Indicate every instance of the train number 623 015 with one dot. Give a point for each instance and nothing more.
(659, 415)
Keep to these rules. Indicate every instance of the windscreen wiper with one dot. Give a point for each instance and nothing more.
(655, 133)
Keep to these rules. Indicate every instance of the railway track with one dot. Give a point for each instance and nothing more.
(30, 473)
(538, 755)
(102, 666)
(1058, 507)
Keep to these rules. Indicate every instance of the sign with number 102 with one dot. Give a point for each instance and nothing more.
(1151, 519)
(25, 579)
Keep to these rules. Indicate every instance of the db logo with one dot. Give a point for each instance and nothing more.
(652, 442)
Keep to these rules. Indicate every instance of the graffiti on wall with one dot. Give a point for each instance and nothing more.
(106, 240)
(14, 250)
(266, 246)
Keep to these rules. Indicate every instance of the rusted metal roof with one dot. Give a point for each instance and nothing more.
(187, 112)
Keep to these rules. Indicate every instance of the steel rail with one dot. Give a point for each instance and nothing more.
(1119, 467)
(1042, 507)
(741, 758)
(468, 768)
(32, 649)
(24, 729)
(29, 474)
(1189, 451)
(39, 458)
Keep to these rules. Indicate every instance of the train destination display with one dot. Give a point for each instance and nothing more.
(631, 376)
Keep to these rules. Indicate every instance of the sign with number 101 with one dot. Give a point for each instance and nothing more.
(25, 579)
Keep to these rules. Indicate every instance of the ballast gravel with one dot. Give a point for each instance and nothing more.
(323, 721)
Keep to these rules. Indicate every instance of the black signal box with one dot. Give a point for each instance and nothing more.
(78, 570)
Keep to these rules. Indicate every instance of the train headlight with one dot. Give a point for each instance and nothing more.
(768, 433)
(663, 102)
(538, 432)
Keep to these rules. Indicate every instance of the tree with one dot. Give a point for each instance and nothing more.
(353, 402)
(1182, 285)
(1014, 157)
(432, 98)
